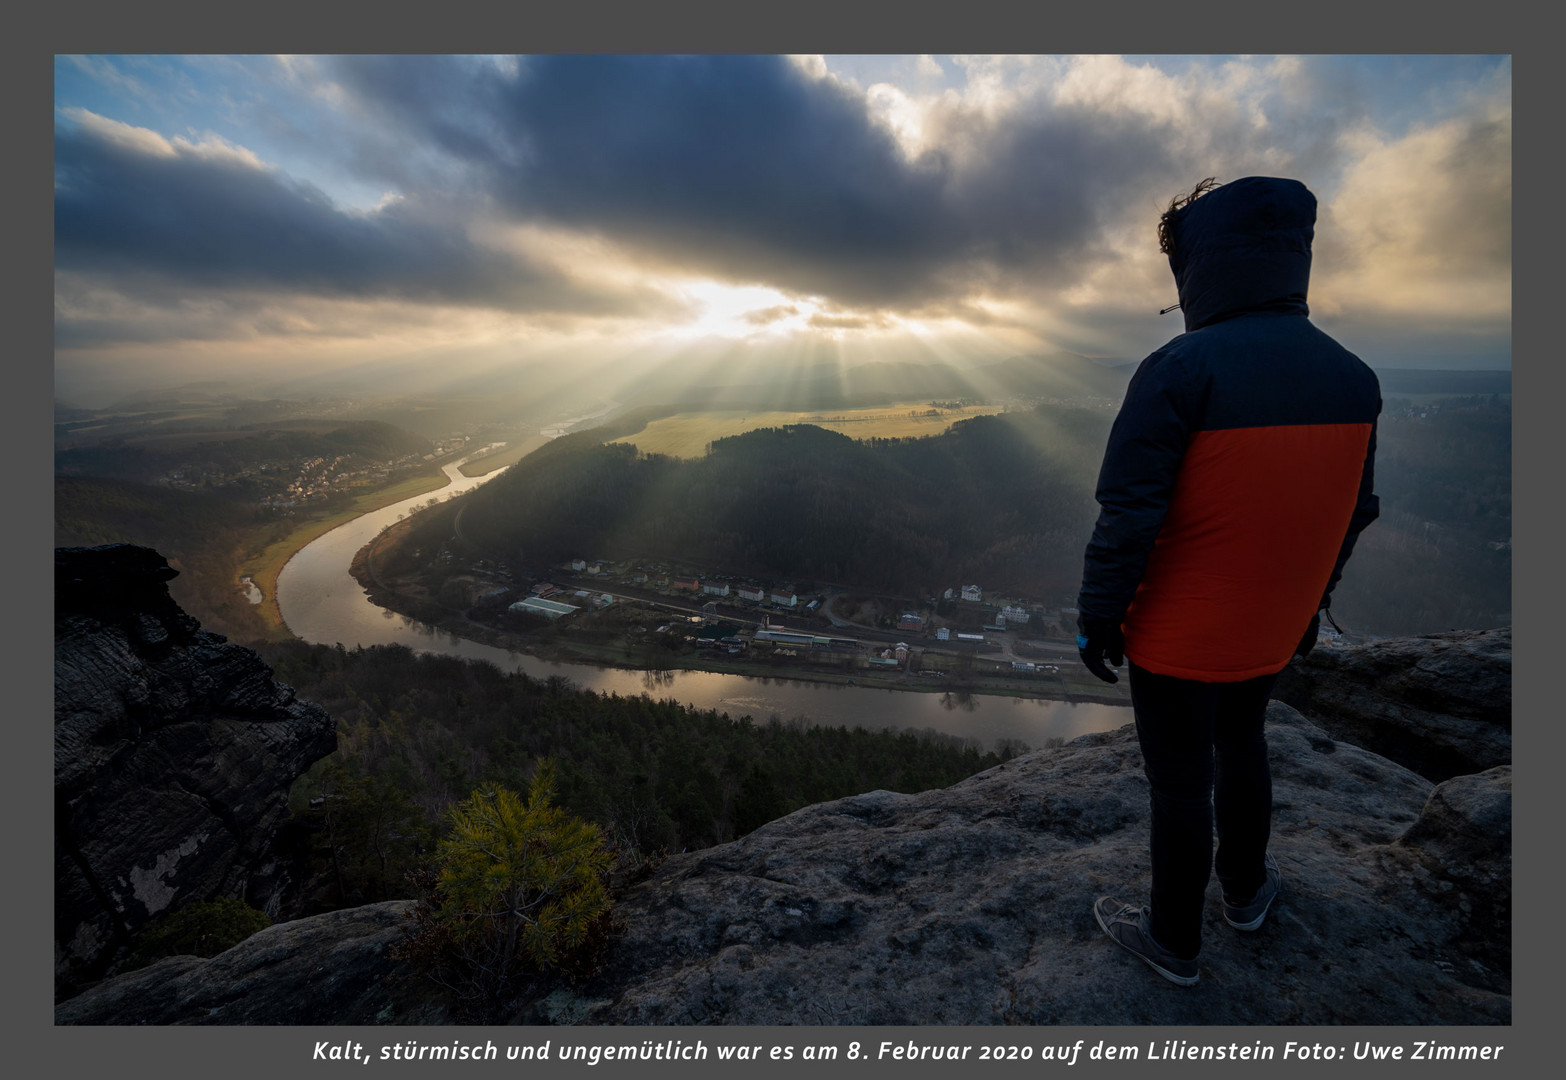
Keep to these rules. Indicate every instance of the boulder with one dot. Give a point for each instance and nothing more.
(1439, 704)
(336, 968)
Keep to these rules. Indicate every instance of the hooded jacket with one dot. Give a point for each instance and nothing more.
(1240, 468)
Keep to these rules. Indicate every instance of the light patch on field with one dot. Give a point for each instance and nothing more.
(687, 435)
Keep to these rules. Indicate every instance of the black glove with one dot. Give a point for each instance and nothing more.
(1098, 639)
(1308, 642)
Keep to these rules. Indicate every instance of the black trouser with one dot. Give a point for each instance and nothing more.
(1180, 724)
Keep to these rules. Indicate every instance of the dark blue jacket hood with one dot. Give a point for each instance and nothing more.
(1244, 248)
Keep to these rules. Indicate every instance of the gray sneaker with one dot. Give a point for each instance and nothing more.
(1248, 914)
(1127, 927)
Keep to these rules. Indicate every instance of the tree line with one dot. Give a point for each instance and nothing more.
(418, 733)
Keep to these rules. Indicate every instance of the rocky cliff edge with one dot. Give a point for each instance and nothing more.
(972, 905)
(174, 752)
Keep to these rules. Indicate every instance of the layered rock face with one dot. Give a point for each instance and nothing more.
(174, 752)
(1440, 704)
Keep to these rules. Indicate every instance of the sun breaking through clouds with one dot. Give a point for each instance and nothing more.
(323, 211)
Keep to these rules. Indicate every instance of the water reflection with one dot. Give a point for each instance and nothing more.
(656, 680)
(321, 602)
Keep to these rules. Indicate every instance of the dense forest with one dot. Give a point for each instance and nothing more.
(1005, 501)
(417, 733)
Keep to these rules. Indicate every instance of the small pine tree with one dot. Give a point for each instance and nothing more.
(520, 884)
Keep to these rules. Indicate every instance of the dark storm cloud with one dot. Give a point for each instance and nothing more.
(748, 168)
(129, 205)
(741, 168)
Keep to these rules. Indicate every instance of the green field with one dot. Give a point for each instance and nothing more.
(686, 435)
(512, 454)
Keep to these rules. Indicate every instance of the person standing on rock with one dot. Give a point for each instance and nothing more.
(1237, 477)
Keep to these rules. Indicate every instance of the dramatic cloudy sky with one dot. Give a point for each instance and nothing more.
(219, 216)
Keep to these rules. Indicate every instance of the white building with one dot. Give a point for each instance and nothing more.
(973, 593)
(548, 608)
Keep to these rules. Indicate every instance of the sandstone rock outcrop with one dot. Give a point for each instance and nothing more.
(327, 969)
(972, 905)
(1439, 704)
(174, 752)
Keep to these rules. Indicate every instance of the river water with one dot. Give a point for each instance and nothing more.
(321, 602)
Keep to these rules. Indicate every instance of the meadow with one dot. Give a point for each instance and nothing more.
(688, 434)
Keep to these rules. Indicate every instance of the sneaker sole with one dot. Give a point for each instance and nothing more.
(1254, 923)
(1178, 980)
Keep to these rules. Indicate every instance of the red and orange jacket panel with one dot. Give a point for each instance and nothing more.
(1240, 469)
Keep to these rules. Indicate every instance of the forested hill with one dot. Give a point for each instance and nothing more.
(1004, 499)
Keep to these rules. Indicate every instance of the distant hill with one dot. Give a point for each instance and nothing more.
(1434, 381)
(229, 451)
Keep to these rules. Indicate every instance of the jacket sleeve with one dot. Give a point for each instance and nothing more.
(1367, 507)
(1141, 462)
